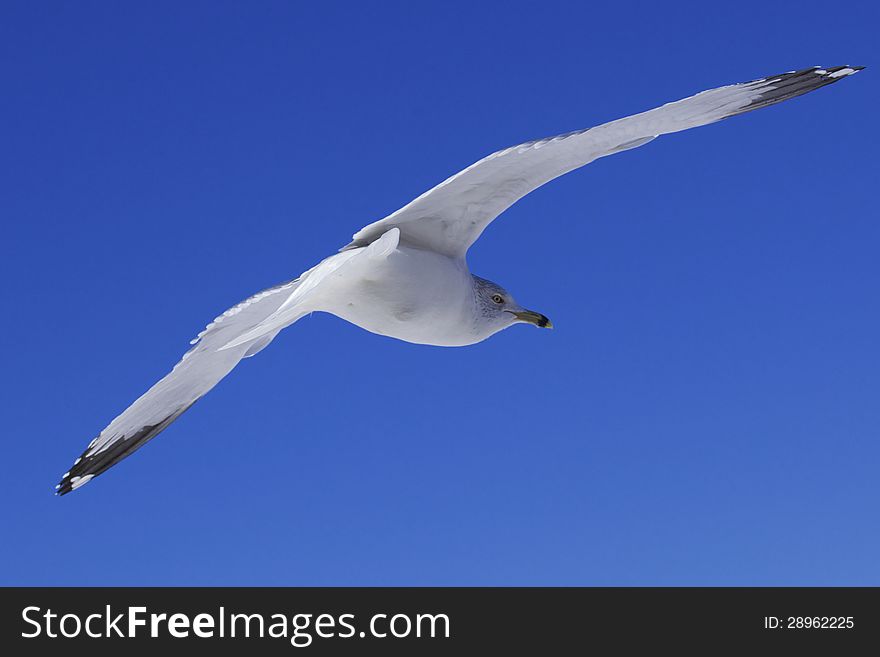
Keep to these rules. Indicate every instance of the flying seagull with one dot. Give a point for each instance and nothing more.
(406, 276)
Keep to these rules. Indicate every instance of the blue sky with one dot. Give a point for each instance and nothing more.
(705, 412)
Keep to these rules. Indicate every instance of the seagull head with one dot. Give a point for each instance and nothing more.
(497, 309)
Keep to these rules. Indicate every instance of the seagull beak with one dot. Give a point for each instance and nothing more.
(531, 317)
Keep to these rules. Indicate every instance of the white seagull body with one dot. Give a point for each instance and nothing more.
(406, 276)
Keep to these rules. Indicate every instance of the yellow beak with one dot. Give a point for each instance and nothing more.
(531, 317)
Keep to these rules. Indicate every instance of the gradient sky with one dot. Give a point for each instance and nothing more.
(705, 412)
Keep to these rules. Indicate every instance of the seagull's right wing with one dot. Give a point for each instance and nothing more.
(451, 216)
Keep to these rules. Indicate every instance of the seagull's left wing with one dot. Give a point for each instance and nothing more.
(451, 216)
(238, 333)
(200, 369)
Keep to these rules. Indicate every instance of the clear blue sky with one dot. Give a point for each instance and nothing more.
(706, 411)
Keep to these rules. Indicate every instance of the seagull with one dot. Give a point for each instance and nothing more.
(406, 276)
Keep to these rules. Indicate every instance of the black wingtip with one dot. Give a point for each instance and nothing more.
(90, 465)
(774, 89)
(77, 476)
(840, 71)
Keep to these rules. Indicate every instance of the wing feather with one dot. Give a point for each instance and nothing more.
(451, 216)
(200, 369)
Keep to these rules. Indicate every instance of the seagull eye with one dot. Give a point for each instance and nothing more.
(497, 298)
